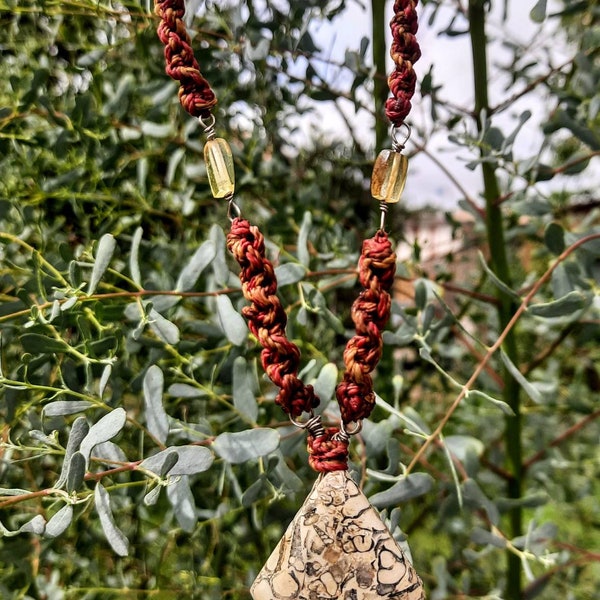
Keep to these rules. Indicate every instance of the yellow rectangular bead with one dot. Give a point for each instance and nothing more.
(219, 167)
(389, 176)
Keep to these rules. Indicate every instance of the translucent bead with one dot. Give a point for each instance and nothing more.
(389, 176)
(219, 167)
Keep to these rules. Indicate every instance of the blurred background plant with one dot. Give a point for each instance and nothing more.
(142, 455)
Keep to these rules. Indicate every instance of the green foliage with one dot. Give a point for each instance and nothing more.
(142, 453)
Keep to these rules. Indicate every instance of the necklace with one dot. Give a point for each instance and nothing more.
(336, 547)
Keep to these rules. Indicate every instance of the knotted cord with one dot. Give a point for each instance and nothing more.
(327, 447)
(195, 94)
(405, 52)
(267, 319)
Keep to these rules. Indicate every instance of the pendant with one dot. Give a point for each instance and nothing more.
(337, 548)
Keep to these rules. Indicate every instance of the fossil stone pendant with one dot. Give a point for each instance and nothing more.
(337, 548)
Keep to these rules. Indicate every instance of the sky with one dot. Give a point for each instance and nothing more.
(451, 60)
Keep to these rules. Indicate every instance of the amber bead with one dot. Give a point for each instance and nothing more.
(389, 176)
(219, 167)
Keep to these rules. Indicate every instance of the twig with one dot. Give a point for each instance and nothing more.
(561, 438)
(484, 361)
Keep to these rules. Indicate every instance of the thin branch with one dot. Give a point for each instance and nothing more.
(469, 199)
(481, 366)
(561, 438)
(528, 88)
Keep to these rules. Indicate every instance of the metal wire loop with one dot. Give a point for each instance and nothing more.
(341, 436)
(383, 207)
(209, 126)
(398, 145)
(313, 425)
(233, 210)
(354, 430)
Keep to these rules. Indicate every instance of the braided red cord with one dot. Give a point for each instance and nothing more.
(370, 313)
(326, 452)
(267, 319)
(405, 53)
(195, 93)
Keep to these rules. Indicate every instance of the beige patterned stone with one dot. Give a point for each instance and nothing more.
(337, 548)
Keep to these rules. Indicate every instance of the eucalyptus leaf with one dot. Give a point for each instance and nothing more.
(232, 323)
(164, 329)
(134, 256)
(109, 453)
(563, 307)
(243, 395)
(289, 273)
(486, 538)
(554, 238)
(497, 281)
(66, 407)
(184, 390)
(114, 535)
(59, 522)
(181, 498)
(409, 487)
(104, 378)
(530, 389)
(157, 420)
(503, 406)
(104, 253)
(305, 227)
(246, 445)
(37, 343)
(463, 445)
(219, 263)
(79, 430)
(191, 460)
(151, 498)
(197, 263)
(259, 489)
(157, 130)
(473, 496)
(326, 382)
(76, 472)
(105, 429)
(37, 525)
(538, 12)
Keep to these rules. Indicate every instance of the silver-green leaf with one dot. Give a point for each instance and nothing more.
(289, 273)
(409, 487)
(157, 420)
(114, 535)
(181, 498)
(243, 394)
(529, 388)
(192, 270)
(79, 430)
(191, 460)
(563, 307)
(59, 522)
(164, 329)
(102, 431)
(232, 323)
(246, 445)
(66, 407)
(134, 253)
(76, 472)
(106, 248)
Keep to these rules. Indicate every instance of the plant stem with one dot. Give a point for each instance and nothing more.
(506, 307)
(380, 90)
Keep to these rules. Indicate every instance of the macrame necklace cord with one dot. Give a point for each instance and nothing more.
(336, 547)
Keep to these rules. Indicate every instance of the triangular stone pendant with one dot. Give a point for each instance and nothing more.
(337, 548)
